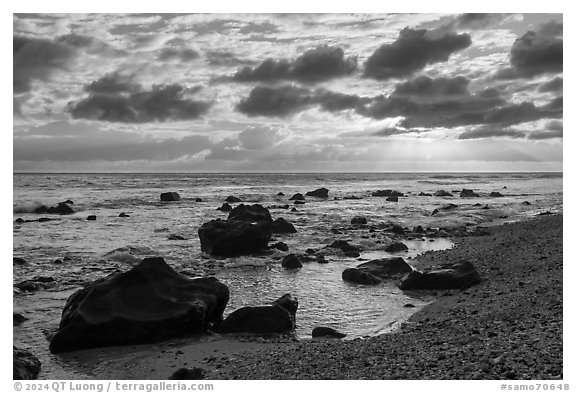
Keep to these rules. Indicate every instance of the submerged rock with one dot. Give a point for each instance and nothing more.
(450, 276)
(26, 366)
(19, 261)
(36, 284)
(297, 197)
(250, 213)
(149, 303)
(319, 193)
(281, 225)
(466, 193)
(234, 237)
(449, 206)
(359, 220)
(169, 197)
(279, 317)
(323, 331)
(424, 194)
(442, 193)
(359, 276)
(123, 215)
(495, 194)
(233, 199)
(392, 198)
(62, 208)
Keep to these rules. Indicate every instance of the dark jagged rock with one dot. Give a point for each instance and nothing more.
(36, 284)
(250, 213)
(466, 193)
(18, 319)
(183, 374)
(149, 303)
(418, 229)
(293, 209)
(424, 194)
(396, 247)
(68, 202)
(495, 194)
(280, 317)
(397, 229)
(297, 197)
(281, 225)
(62, 208)
(19, 261)
(169, 197)
(323, 331)
(280, 246)
(387, 193)
(91, 218)
(291, 261)
(358, 220)
(450, 276)
(392, 198)
(198, 200)
(442, 193)
(279, 207)
(58, 262)
(374, 271)
(233, 199)
(225, 207)
(319, 193)
(234, 237)
(409, 305)
(526, 203)
(123, 215)
(19, 220)
(26, 366)
(299, 202)
(345, 246)
(280, 193)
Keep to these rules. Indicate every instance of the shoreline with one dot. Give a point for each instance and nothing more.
(507, 327)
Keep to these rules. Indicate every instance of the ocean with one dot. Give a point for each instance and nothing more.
(90, 249)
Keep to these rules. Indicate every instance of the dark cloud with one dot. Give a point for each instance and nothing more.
(315, 65)
(428, 87)
(223, 58)
(184, 55)
(536, 52)
(552, 86)
(491, 132)
(391, 131)
(287, 100)
(114, 98)
(412, 51)
(474, 21)
(37, 59)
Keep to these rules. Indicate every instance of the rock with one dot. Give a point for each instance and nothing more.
(392, 198)
(396, 247)
(123, 215)
(299, 202)
(234, 237)
(319, 193)
(310, 251)
(36, 284)
(281, 225)
(424, 194)
(345, 246)
(58, 262)
(279, 317)
(322, 331)
(19, 220)
(384, 268)
(526, 203)
(91, 218)
(233, 199)
(149, 303)
(418, 229)
(26, 366)
(456, 276)
(280, 246)
(62, 208)
(466, 193)
(409, 305)
(360, 277)
(68, 202)
(19, 261)
(359, 220)
(188, 374)
(397, 229)
(442, 193)
(280, 193)
(291, 261)
(297, 197)
(225, 207)
(250, 213)
(381, 193)
(169, 197)
(44, 219)
(495, 194)
(321, 259)
(175, 237)
(293, 209)
(197, 200)
(449, 206)
(353, 197)
(18, 319)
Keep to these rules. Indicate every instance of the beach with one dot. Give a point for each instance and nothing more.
(507, 327)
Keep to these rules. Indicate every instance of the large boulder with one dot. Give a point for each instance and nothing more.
(396, 247)
(149, 303)
(381, 269)
(449, 276)
(495, 194)
(297, 197)
(466, 193)
(281, 225)
(319, 193)
(233, 199)
(324, 331)
(250, 213)
(230, 238)
(169, 197)
(26, 365)
(279, 317)
(291, 261)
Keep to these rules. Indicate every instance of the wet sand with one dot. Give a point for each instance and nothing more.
(507, 327)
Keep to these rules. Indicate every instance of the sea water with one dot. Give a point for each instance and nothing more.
(93, 249)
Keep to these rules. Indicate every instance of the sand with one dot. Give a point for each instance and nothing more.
(507, 327)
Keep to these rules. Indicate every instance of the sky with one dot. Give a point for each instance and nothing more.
(287, 92)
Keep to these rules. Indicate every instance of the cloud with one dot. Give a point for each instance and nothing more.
(224, 58)
(554, 129)
(116, 98)
(476, 21)
(424, 86)
(412, 51)
(314, 65)
(536, 52)
(287, 100)
(37, 59)
(491, 132)
(261, 137)
(183, 55)
(552, 86)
